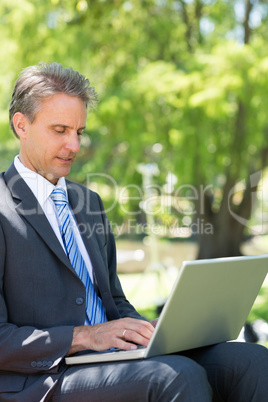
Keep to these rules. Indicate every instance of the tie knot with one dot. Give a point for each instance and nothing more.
(59, 196)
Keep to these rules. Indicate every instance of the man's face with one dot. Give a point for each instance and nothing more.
(50, 143)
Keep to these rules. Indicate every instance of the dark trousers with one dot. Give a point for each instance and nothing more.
(233, 372)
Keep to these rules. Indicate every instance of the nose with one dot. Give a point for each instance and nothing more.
(73, 142)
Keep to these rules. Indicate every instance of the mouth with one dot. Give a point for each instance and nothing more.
(66, 160)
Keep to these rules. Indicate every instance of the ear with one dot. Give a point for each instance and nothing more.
(20, 123)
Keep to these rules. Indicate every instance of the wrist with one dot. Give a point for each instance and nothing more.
(78, 341)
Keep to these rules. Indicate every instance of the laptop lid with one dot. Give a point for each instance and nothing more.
(209, 303)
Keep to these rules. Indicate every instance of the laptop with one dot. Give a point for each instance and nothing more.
(209, 303)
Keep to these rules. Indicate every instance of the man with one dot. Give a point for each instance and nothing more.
(49, 307)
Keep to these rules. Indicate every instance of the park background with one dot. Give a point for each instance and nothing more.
(177, 147)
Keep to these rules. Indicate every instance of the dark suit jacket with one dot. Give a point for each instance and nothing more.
(41, 297)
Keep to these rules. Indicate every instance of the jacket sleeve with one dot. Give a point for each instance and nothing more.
(27, 349)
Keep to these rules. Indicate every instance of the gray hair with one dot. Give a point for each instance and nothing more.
(35, 83)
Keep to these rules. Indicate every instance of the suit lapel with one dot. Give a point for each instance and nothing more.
(30, 209)
(83, 215)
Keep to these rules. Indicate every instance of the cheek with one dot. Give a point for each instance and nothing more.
(39, 152)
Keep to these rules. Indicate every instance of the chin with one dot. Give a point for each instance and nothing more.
(62, 173)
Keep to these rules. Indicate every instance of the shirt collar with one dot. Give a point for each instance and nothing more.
(41, 187)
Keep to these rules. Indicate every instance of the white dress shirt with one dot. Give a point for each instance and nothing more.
(42, 190)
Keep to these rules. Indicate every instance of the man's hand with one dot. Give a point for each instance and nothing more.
(124, 333)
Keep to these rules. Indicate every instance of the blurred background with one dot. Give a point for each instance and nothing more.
(178, 145)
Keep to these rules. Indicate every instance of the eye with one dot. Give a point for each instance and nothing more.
(80, 132)
(59, 129)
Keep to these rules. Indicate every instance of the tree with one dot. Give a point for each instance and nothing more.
(203, 111)
(181, 83)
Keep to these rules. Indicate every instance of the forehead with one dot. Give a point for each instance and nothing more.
(61, 108)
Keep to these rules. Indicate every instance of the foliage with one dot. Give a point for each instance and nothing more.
(181, 83)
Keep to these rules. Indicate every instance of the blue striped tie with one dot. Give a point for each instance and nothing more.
(95, 311)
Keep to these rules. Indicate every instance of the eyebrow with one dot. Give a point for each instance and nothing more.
(65, 126)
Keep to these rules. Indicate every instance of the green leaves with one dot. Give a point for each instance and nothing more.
(172, 73)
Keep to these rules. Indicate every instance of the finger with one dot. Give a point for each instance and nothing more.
(144, 328)
(123, 333)
(135, 338)
(137, 334)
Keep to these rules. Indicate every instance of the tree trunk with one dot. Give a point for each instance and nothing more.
(220, 233)
(247, 31)
(220, 239)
